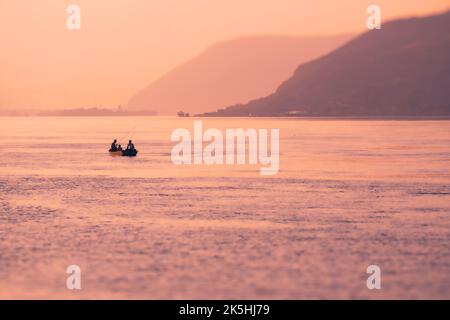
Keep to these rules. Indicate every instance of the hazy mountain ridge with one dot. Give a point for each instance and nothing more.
(231, 72)
(401, 70)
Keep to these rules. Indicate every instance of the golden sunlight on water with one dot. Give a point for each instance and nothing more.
(349, 193)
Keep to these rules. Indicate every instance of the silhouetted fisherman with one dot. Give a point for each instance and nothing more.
(130, 145)
(114, 145)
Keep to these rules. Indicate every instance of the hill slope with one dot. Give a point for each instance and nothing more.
(231, 72)
(401, 70)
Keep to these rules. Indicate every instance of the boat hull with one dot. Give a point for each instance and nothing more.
(123, 153)
(129, 153)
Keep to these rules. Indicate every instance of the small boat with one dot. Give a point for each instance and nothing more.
(123, 153)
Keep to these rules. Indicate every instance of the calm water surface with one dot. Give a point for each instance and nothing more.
(349, 194)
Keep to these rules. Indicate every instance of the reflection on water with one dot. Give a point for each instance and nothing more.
(349, 194)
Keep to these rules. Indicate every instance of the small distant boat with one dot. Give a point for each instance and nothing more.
(183, 114)
(123, 153)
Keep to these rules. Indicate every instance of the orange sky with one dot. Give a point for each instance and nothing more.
(123, 45)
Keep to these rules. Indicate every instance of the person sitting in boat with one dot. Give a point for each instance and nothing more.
(113, 146)
(119, 148)
(130, 145)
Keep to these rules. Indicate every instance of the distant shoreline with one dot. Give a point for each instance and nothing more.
(315, 118)
(79, 112)
(341, 117)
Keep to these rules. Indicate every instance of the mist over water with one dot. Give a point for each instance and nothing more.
(349, 194)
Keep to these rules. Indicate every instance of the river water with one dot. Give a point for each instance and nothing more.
(349, 194)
